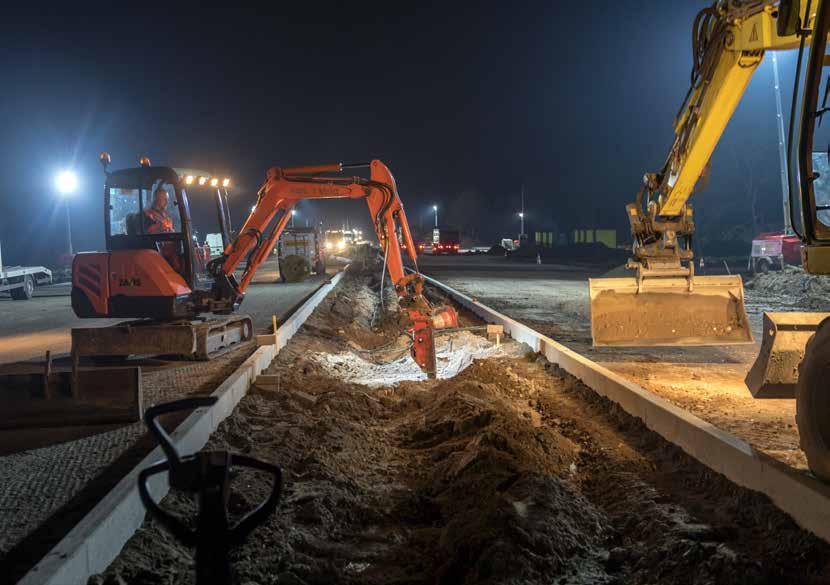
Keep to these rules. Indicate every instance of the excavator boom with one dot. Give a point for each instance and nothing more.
(664, 302)
(282, 190)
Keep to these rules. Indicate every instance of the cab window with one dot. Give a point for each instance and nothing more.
(125, 211)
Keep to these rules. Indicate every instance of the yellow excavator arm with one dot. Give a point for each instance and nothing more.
(729, 44)
(665, 303)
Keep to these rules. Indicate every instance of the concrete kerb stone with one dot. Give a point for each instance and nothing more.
(802, 496)
(98, 538)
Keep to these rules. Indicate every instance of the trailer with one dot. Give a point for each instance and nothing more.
(300, 253)
(20, 281)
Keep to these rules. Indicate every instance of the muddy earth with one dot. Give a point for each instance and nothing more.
(508, 470)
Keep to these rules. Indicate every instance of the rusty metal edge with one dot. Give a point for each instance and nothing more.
(799, 494)
(98, 538)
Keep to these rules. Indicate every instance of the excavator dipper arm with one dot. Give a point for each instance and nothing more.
(283, 188)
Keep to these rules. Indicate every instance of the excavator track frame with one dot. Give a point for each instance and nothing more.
(199, 340)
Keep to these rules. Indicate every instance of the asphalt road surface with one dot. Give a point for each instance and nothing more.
(29, 328)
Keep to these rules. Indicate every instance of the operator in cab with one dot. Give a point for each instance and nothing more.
(158, 221)
(156, 218)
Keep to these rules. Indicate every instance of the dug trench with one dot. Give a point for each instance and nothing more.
(504, 470)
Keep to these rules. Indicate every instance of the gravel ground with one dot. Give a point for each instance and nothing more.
(44, 492)
(510, 472)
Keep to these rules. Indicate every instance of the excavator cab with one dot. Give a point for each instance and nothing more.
(152, 263)
(148, 211)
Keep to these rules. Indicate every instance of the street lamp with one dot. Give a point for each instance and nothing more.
(66, 183)
(293, 213)
(435, 209)
(522, 219)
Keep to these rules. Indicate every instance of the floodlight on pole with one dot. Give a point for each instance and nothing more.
(435, 209)
(66, 183)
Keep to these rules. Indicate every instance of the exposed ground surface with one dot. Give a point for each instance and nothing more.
(509, 472)
(707, 381)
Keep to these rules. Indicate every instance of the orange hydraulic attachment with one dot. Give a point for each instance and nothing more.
(284, 187)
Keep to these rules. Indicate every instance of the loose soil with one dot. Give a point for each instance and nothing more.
(707, 381)
(793, 289)
(511, 471)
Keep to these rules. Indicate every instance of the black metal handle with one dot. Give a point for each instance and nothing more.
(173, 524)
(158, 431)
(252, 519)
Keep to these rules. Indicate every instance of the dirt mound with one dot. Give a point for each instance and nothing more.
(792, 287)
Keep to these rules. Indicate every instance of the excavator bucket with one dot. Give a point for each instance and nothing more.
(664, 312)
(775, 371)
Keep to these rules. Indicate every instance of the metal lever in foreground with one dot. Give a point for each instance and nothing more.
(207, 475)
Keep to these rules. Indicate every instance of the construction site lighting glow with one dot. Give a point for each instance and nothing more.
(66, 182)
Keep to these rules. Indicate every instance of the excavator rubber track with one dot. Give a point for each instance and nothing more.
(664, 312)
(198, 340)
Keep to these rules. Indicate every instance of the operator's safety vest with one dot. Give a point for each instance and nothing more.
(160, 222)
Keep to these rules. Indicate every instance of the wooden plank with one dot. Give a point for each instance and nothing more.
(105, 396)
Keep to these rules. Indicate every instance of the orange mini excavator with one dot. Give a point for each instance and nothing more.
(157, 276)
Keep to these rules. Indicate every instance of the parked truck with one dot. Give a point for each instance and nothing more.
(445, 241)
(20, 281)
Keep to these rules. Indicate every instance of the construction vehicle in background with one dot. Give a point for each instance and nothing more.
(342, 241)
(445, 241)
(20, 281)
(665, 303)
(300, 253)
(773, 251)
(151, 275)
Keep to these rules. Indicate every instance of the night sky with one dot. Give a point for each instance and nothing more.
(575, 100)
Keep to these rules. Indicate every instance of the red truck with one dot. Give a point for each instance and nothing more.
(771, 250)
(445, 241)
